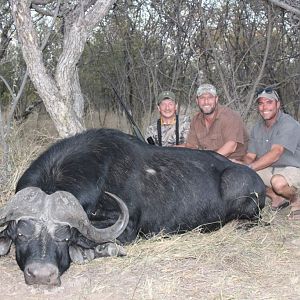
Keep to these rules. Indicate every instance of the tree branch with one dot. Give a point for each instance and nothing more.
(42, 11)
(4, 38)
(286, 6)
(75, 40)
(252, 93)
(42, 2)
(215, 56)
(24, 80)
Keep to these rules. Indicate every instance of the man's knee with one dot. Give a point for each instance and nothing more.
(279, 183)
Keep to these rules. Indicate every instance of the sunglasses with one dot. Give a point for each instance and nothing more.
(267, 90)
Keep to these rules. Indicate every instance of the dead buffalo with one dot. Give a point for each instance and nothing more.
(62, 210)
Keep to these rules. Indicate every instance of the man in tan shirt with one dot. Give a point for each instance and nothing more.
(217, 127)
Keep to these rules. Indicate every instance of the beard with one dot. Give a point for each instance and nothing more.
(208, 111)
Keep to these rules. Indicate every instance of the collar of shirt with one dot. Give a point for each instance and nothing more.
(166, 124)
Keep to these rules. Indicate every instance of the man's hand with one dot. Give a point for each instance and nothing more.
(237, 161)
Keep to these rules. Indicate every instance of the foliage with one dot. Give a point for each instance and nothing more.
(144, 47)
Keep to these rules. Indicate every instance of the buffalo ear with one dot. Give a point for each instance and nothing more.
(5, 244)
(80, 255)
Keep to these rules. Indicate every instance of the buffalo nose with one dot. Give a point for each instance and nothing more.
(41, 273)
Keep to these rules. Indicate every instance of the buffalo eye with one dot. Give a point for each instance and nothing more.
(25, 229)
(22, 237)
(62, 234)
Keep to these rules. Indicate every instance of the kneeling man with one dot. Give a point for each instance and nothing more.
(274, 152)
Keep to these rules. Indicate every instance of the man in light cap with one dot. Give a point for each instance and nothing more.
(217, 127)
(170, 129)
(274, 152)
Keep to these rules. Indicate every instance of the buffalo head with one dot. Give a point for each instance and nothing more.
(45, 227)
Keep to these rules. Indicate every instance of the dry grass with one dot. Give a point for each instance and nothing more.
(261, 263)
(36, 133)
(25, 145)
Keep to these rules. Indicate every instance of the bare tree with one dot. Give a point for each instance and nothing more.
(144, 46)
(60, 92)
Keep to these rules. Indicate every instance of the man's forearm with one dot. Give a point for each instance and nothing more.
(268, 159)
(228, 148)
(188, 145)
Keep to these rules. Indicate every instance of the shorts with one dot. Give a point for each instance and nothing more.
(291, 174)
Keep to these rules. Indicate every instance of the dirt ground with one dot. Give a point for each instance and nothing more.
(261, 263)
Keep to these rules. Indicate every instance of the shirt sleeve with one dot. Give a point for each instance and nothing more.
(148, 132)
(186, 123)
(287, 136)
(151, 131)
(251, 145)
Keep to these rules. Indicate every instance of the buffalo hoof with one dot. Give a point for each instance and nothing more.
(109, 249)
(80, 255)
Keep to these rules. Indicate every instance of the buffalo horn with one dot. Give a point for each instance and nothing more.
(23, 205)
(78, 219)
(61, 207)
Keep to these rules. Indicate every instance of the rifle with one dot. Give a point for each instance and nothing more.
(135, 128)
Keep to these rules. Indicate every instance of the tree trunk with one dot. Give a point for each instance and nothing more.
(62, 94)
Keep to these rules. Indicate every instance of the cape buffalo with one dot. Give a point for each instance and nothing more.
(76, 198)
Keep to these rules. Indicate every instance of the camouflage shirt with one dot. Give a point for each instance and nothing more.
(168, 132)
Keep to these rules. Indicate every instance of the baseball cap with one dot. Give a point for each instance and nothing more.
(165, 95)
(268, 93)
(206, 88)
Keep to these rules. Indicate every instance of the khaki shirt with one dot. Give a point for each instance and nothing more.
(227, 126)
